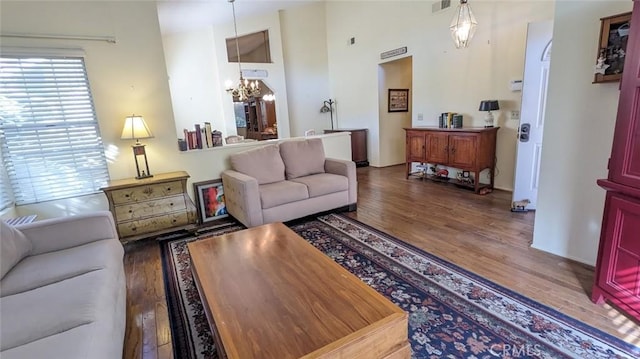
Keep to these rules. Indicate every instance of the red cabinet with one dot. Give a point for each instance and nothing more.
(617, 277)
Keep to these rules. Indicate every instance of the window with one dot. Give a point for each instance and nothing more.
(253, 48)
(50, 143)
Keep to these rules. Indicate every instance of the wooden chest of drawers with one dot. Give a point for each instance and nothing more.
(151, 205)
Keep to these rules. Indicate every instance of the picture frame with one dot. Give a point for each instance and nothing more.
(398, 100)
(210, 200)
(614, 34)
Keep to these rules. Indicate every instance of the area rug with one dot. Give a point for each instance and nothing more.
(453, 313)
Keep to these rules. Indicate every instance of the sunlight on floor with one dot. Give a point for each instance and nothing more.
(626, 326)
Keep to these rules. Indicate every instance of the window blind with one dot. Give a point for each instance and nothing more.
(51, 143)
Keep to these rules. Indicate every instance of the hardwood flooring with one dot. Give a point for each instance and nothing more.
(476, 232)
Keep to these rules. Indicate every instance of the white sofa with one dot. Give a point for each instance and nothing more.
(62, 289)
(285, 181)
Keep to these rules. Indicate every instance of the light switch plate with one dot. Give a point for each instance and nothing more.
(515, 115)
(420, 117)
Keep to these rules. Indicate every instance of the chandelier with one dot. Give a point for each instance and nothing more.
(245, 88)
(463, 25)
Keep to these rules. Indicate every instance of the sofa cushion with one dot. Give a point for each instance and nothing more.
(323, 183)
(87, 302)
(263, 163)
(13, 247)
(302, 157)
(277, 193)
(48, 268)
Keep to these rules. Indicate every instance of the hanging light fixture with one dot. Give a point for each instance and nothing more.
(463, 25)
(245, 88)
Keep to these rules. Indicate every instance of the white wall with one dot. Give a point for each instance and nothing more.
(395, 74)
(197, 66)
(578, 134)
(198, 69)
(305, 62)
(444, 78)
(196, 94)
(229, 71)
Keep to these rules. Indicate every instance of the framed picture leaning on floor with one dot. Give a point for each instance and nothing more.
(210, 200)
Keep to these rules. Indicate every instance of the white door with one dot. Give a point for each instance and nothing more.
(534, 102)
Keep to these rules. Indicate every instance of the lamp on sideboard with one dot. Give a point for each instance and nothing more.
(136, 128)
(489, 105)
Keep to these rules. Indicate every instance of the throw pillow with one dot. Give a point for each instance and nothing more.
(263, 163)
(13, 247)
(302, 158)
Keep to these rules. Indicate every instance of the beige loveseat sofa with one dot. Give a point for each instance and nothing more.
(62, 289)
(285, 181)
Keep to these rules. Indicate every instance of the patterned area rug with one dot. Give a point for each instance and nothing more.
(452, 313)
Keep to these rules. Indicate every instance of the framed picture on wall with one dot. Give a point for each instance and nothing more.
(614, 35)
(398, 100)
(210, 200)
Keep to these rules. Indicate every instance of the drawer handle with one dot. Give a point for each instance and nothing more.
(174, 221)
(134, 229)
(126, 195)
(171, 204)
(168, 188)
(130, 211)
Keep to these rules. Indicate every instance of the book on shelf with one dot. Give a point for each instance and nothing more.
(208, 134)
(203, 136)
(198, 137)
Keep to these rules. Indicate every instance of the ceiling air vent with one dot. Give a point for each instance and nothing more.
(440, 5)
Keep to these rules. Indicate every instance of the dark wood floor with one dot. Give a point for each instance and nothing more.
(476, 232)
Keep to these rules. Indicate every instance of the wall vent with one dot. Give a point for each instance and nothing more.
(440, 5)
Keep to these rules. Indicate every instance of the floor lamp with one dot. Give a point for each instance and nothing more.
(328, 107)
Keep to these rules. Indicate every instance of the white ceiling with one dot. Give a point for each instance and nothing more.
(182, 15)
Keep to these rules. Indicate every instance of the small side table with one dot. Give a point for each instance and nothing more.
(358, 145)
(154, 205)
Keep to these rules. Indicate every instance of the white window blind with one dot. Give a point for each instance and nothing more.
(6, 194)
(51, 144)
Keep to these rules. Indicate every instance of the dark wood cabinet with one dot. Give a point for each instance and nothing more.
(358, 145)
(260, 116)
(617, 277)
(467, 149)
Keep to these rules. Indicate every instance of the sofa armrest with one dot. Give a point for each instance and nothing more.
(66, 232)
(347, 169)
(242, 197)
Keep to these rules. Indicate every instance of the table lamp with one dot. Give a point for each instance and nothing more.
(489, 105)
(136, 128)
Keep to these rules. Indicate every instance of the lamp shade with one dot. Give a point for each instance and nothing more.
(135, 128)
(489, 105)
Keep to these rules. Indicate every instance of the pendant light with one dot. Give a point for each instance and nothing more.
(463, 25)
(245, 88)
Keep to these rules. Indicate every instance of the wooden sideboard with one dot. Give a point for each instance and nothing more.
(358, 145)
(467, 149)
(151, 205)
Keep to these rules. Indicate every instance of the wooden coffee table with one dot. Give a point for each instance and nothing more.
(270, 294)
